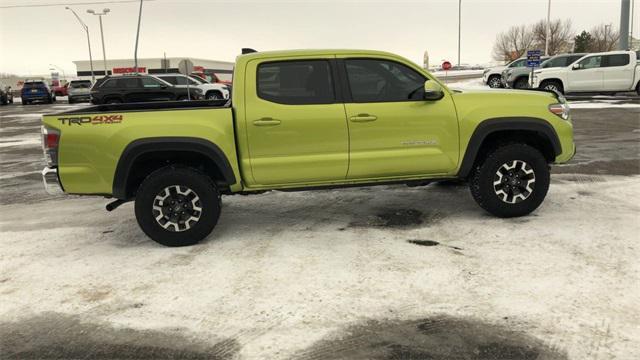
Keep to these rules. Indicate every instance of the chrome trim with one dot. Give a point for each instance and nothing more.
(51, 181)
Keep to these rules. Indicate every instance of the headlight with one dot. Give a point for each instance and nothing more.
(197, 91)
(561, 110)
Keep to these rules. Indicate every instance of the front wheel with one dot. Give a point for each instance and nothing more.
(511, 181)
(214, 95)
(177, 206)
(552, 85)
(494, 82)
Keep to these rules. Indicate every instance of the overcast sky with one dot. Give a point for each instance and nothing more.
(33, 37)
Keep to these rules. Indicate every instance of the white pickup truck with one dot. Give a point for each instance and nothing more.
(607, 72)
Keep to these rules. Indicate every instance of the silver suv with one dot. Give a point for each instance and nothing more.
(518, 78)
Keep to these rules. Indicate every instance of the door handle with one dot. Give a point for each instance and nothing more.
(266, 121)
(363, 118)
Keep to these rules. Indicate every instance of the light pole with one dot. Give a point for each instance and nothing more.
(135, 52)
(459, 27)
(548, 32)
(105, 11)
(86, 29)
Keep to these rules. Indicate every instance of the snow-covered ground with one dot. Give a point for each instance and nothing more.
(386, 272)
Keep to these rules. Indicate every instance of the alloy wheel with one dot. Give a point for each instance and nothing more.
(514, 181)
(177, 208)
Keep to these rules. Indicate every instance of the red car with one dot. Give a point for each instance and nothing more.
(60, 90)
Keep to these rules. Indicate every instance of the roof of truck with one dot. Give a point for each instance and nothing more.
(311, 52)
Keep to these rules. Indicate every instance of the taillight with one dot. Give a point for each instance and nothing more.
(50, 142)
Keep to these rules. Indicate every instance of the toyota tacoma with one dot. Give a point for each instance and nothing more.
(304, 120)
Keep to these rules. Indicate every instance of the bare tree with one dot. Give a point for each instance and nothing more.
(560, 35)
(513, 43)
(604, 38)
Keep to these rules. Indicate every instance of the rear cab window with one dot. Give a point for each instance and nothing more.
(296, 82)
(617, 60)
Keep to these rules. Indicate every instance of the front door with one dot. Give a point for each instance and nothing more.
(155, 90)
(588, 76)
(393, 131)
(296, 127)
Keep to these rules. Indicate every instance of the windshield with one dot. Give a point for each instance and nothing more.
(80, 84)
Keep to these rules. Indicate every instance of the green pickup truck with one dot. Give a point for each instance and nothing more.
(303, 120)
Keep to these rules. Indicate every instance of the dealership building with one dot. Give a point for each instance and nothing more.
(222, 69)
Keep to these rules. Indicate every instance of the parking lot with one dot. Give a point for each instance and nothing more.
(388, 272)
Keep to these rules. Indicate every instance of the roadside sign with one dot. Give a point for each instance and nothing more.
(128, 70)
(446, 65)
(533, 58)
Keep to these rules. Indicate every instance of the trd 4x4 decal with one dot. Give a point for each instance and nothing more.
(96, 120)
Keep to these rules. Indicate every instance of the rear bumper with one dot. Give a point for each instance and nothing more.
(86, 97)
(51, 181)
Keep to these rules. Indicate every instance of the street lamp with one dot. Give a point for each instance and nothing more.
(548, 30)
(86, 29)
(105, 11)
(459, 28)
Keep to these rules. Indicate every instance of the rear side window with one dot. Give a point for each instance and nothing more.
(617, 60)
(296, 82)
(372, 80)
(110, 84)
(128, 83)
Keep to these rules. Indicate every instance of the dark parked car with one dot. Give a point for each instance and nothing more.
(6, 97)
(36, 90)
(139, 88)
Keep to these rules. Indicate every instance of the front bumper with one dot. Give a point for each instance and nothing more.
(51, 181)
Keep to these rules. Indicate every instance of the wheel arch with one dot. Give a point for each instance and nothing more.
(553, 79)
(143, 156)
(492, 132)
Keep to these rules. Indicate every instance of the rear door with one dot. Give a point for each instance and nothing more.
(296, 126)
(618, 72)
(393, 131)
(588, 77)
(130, 89)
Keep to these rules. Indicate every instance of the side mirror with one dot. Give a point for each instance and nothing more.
(163, 87)
(576, 67)
(433, 91)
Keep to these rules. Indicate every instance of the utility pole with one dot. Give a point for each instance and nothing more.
(624, 25)
(86, 29)
(104, 54)
(548, 33)
(135, 53)
(459, 28)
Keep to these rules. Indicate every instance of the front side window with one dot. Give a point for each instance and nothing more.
(518, 63)
(617, 60)
(151, 83)
(296, 82)
(110, 84)
(591, 62)
(383, 81)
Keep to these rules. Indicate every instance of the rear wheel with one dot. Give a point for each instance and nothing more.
(177, 206)
(214, 95)
(25, 102)
(494, 82)
(512, 180)
(552, 85)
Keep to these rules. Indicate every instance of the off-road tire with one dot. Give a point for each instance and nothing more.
(494, 82)
(484, 173)
(186, 178)
(552, 85)
(214, 95)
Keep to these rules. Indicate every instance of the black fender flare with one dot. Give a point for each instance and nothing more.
(147, 145)
(489, 126)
